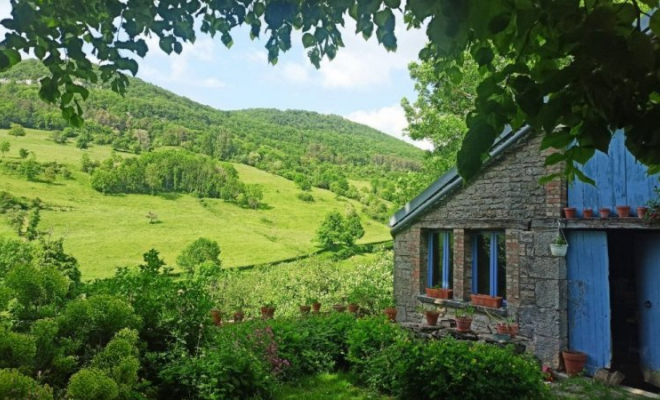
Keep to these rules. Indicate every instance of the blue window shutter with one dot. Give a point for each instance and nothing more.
(445, 260)
(493, 264)
(431, 256)
(474, 263)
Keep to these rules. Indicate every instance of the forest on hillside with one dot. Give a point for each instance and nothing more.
(323, 151)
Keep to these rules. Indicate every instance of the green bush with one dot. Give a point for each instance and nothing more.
(92, 384)
(16, 350)
(228, 371)
(16, 386)
(451, 369)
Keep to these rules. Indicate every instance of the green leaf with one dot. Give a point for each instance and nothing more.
(484, 56)
(499, 22)
(308, 40)
(554, 158)
(422, 8)
(393, 3)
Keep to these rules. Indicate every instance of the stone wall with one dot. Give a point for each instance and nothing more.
(506, 196)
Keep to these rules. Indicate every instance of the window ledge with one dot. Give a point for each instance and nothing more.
(502, 312)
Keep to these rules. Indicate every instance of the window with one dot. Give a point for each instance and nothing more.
(489, 264)
(441, 259)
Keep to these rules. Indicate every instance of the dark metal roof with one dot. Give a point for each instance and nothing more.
(448, 182)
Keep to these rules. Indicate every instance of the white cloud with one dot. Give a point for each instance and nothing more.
(180, 71)
(294, 72)
(391, 120)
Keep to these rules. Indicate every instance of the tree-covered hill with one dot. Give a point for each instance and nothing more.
(269, 139)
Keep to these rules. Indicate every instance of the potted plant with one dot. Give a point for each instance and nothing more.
(574, 361)
(485, 300)
(653, 206)
(239, 316)
(217, 317)
(304, 309)
(605, 212)
(353, 300)
(623, 211)
(587, 213)
(559, 247)
(431, 316)
(316, 306)
(569, 212)
(507, 327)
(464, 319)
(339, 307)
(438, 292)
(389, 306)
(267, 311)
(641, 212)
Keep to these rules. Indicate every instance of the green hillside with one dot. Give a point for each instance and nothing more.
(106, 231)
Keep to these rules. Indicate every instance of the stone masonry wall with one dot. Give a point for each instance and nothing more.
(506, 196)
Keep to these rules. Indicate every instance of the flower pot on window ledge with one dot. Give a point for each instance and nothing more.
(641, 212)
(485, 300)
(569, 212)
(623, 211)
(604, 212)
(440, 293)
(587, 213)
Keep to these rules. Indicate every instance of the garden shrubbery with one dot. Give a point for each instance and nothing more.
(146, 333)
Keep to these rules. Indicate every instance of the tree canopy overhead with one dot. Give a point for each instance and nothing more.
(576, 70)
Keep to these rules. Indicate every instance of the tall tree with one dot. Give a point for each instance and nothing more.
(575, 70)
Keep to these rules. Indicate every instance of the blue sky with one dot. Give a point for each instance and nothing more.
(364, 83)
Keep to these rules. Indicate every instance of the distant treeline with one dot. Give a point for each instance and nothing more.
(173, 171)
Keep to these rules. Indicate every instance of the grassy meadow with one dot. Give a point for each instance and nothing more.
(106, 231)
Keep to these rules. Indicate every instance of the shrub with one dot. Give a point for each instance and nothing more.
(92, 384)
(16, 130)
(16, 386)
(229, 371)
(16, 350)
(198, 252)
(304, 196)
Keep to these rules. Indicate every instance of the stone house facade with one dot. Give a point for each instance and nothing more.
(497, 231)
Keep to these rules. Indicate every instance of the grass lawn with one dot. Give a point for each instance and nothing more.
(588, 389)
(104, 232)
(335, 386)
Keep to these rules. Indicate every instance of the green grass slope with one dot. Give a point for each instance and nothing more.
(104, 232)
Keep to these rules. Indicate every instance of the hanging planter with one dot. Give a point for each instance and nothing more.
(559, 247)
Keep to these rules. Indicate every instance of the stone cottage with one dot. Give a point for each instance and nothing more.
(491, 236)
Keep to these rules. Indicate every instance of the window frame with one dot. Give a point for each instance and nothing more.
(447, 243)
(493, 262)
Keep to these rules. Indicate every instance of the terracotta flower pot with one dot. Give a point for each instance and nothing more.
(238, 316)
(217, 317)
(605, 212)
(353, 308)
(391, 313)
(623, 211)
(432, 317)
(440, 293)
(339, 307)
(569, 212)
(574, 362)
(464, 324)
(507, 329)
(485, 300)
(316, 308)
(304, 309)
(641, 212)
(267, 312)
(587, 213)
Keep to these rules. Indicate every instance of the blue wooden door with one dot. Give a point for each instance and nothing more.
(589, 328)
(648, 283)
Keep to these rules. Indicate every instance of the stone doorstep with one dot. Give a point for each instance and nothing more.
(501, 312)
